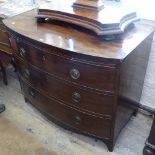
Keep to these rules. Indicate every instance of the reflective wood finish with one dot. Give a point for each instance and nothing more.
(78, 41)
(76, 78)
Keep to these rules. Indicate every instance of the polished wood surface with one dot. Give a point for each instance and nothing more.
(77, 41)
(108, 21)
(75, 78)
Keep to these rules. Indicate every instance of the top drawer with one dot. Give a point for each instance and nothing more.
(89, 75)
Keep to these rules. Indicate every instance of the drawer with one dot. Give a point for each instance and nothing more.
(84, 99)
(70, 117)
(89, 75)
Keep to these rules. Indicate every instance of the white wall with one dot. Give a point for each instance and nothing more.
(145, 8)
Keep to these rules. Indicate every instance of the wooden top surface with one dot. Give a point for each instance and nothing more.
(77, 40)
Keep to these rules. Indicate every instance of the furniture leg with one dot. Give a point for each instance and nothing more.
(13, 64)
(3, 73)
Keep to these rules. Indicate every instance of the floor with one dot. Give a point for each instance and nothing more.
(148, 96)
(24, 131)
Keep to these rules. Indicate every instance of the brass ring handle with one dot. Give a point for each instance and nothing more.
(26, 73)
(43, 58)
(31, 93)
(76, 97)
(75, 74)
(77, 120)
(22, 52)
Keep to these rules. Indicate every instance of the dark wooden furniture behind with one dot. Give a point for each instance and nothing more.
(149, 148)
(5, 51)
(77, 79)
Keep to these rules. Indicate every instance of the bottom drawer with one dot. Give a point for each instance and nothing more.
(72, 118)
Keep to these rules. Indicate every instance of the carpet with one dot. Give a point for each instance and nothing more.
(16, 142)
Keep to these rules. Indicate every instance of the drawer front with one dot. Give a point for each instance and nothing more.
(70, 94)
(70, 117)
(97, 77)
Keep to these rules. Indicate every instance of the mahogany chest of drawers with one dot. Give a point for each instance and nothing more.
(77, 80)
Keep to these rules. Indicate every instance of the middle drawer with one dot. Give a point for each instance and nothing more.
(81, 98)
